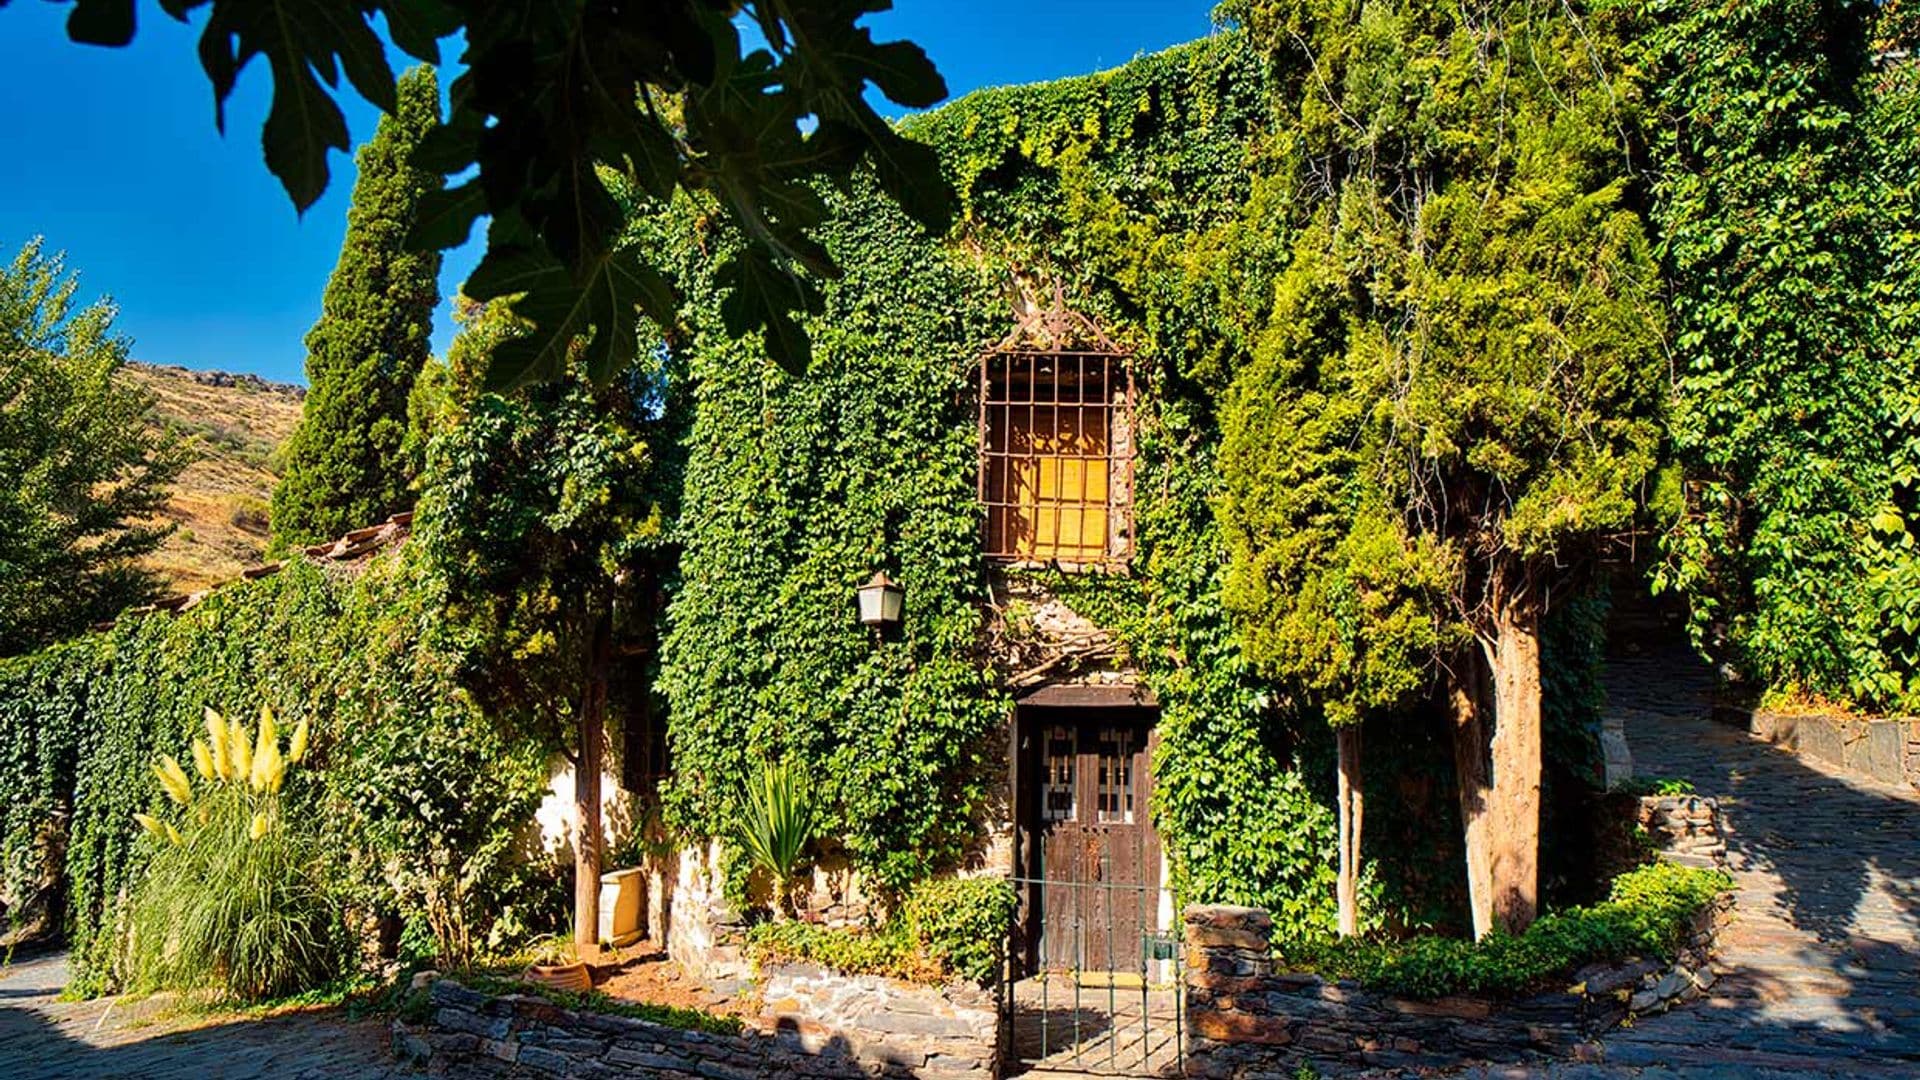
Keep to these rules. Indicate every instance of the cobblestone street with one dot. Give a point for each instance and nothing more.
(42, 1038)
(1822, 962)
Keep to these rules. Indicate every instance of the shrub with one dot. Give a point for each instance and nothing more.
(961, 923)
(248, 513)
(946, 928)
(1647, 912)
(232, 898)
(884, 951)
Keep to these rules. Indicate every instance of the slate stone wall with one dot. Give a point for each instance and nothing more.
(1886, 749)
(1685, 827)
(1247, 1019)
(815, 1024)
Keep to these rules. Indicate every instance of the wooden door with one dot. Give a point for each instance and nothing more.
(1099, 861)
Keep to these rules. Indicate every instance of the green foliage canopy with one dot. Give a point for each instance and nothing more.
(663, 96)
(1462, 371)
(344, 463)
(86, 472)
(535, 506)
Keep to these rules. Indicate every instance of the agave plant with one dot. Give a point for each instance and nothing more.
(776, 821)
(231, 899)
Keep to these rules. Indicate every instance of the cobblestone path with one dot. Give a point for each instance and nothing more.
(1820, 971)
(43, 1038)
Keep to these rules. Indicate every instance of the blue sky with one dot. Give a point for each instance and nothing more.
(111, 154)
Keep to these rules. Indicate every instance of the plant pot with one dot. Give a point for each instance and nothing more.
(575, 977)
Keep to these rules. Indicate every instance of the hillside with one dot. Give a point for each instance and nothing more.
(234, 423)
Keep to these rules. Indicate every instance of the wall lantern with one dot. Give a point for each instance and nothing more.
(880, 601)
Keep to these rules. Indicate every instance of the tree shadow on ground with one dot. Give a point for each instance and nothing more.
(1824, 952)
(1844, 850)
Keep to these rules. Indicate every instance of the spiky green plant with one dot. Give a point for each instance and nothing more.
(776, 820)
(232, 900)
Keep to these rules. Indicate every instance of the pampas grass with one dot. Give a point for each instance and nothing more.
(232, 900)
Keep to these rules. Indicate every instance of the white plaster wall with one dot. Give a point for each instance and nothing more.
(559, 822)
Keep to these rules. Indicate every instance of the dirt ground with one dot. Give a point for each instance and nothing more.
(645, 974)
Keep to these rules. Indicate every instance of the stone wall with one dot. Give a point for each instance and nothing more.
(1685, 827)
(932, 1031)
(1247, 1019)
(815, 1023)
(1886, 749)
(704, 933)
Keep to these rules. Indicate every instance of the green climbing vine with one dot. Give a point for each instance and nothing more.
(1784, 147)
(1131, 190)
(424, 806)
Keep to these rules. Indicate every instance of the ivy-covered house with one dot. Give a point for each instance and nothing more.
(1019, 423)
(1015, 423)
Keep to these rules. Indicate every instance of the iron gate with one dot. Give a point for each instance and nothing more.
(1097, 988)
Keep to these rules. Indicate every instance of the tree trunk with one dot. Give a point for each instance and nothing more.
(1513, 657)
(1352, 812)
(586, 793)
(1464, 697)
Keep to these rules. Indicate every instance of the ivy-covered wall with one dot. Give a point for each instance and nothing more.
(796, 492)
(1162, 201)
(1129, 190)
(1783, 145)
(426, 802)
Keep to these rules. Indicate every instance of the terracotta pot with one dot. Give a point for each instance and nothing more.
(574, 977)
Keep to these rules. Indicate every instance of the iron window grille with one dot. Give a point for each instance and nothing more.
(1056, 443)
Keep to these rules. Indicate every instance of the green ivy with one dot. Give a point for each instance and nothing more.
(1786, 202)
(1132, 189)
(962, 923)
(946, 928)
(424, 806)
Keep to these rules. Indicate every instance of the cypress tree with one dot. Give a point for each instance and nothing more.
(1456, 406)
(344, 464)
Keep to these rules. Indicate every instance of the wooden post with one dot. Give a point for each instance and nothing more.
(586, 793)
(1352, 813)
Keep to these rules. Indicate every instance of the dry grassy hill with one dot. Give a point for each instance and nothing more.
(234, 423)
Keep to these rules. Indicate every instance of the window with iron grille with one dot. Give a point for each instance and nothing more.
(1056, 457)
(1116, 777)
